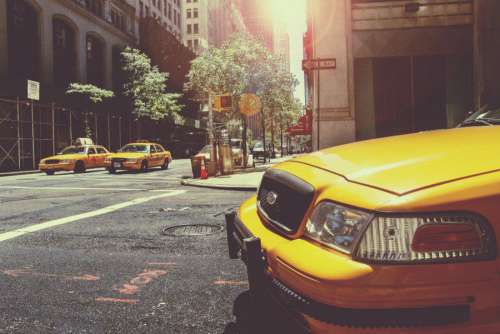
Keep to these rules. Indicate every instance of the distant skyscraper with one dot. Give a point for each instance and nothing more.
(258, 21)
(208, 23)
(168, 13)
(282, 44)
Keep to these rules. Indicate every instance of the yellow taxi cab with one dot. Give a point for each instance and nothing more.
(139, 156)
(77, 158)
(392, 235)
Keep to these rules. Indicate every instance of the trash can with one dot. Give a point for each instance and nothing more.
(196, 166)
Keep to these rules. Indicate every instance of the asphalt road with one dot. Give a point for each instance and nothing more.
(86, 253)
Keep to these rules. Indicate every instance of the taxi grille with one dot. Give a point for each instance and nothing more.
(52, 161)
(283, 199)
(118, 160)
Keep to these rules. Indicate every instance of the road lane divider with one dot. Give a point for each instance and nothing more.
(62, 221)
(77, 188)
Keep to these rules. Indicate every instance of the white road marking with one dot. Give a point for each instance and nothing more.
(57, 222)
(77, 188)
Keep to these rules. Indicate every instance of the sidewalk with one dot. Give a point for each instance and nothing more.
(242, 180)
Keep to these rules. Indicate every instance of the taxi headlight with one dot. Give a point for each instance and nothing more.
(337, 226)
(107, 160)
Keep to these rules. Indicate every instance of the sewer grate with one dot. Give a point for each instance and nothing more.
(192, 230)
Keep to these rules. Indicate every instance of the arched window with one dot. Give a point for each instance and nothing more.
(95, 60)
(23, 40)
(65, 60)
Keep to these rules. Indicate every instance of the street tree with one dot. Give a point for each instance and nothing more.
(241, 66)
(88, 95)
(147, 87)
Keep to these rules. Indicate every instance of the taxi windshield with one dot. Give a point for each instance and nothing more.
(135, 148)
(74, 150)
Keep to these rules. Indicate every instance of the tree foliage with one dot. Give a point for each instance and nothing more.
(146, 86)
(93, 93)
(243, 65)
(90, 94)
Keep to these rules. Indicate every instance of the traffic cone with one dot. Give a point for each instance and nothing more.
(203, 170)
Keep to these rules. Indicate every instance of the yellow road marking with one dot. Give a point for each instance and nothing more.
(57, 222)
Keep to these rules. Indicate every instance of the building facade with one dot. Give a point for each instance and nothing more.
(209, 23)
(58, 42)
(168, 13)
(400, 66)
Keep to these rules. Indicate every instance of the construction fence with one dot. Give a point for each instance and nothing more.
(32, 131)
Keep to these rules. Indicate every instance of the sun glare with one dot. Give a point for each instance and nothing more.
(288, 11)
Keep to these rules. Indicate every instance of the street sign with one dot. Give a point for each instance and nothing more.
(319, 64)
(33, 90)
(223, 103)
(250, 104)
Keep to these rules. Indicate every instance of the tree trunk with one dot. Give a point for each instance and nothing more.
(281, 139)
(263, 115)
(244, 136)
(272, 138)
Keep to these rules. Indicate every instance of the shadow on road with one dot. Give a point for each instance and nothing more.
(258, 318)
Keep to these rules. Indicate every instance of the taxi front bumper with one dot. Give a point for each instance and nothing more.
(57, 167)
(316, 317)
(123, 165)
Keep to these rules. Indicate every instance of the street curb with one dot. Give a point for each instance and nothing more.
(221, 187)
(19, 173)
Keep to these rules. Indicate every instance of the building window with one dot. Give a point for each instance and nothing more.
(95, 6)
(195, 12)
(118, 19)
(165, 7)
(23, 46)
(179, 19)
(141, 9)
(188, 13)
(147, 11)
(154, 3)
(170, 12)
(64, 46)
(196, 28)
(190, 44)
(95, 61)
(189, 30)
(196, 44)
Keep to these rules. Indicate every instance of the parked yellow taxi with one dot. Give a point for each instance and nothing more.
(139, 156)
(392, 235)
(76, 158)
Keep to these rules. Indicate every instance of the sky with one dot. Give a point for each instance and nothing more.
(294, 14)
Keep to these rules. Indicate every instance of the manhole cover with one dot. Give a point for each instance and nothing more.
(192, 230)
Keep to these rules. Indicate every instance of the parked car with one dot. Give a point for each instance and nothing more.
(77, 158)
(139, 156)
(259, 151)
(393, 235)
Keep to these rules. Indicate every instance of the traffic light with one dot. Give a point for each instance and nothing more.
(223, 103)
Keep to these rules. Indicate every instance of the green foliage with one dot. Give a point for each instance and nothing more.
(147, 86)
(244, 65)
(93, 93)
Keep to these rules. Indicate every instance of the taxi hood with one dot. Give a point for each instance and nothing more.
(404, 164)
(72, 156)
(128, 155)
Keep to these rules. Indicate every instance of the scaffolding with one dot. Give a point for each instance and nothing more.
(31, 131)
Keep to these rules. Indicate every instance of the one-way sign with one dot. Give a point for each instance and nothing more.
(319, 64)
